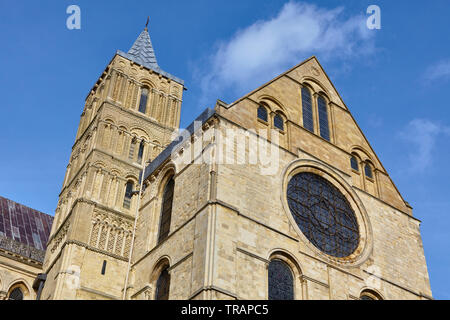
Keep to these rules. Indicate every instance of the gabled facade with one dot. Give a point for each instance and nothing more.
(321, 219)
(278, 195)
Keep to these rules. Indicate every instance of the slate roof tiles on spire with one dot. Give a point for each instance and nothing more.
(142, 53)
(142, 50)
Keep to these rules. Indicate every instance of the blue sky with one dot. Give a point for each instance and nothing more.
(394, 81)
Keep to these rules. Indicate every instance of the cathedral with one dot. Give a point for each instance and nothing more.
(276, 196)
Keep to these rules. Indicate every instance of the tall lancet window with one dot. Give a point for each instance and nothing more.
(141, 152)
(323, 118)
(166, 210)
(308, 122)
(163, 285)
(281, 281)
(143, 101)
(128, 195)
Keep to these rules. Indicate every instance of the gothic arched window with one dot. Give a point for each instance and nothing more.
(262, 113)
(368, 171)
(163, 285)
(278, 122)
(143, 101)
(141, 152)
(128, 195)
(354, 163)
(281, 281)
(308, 122)
(166, 210)
(323, 118)
(16, 294)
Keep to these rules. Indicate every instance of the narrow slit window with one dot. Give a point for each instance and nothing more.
(323, 118)
(141, 152)
(128, 195)
(143, 101)
(262, 113)
(104, 267)
(166, 210)
(308, 122)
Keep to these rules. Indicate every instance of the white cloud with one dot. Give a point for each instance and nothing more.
(266, 48)
(440, 70)
(423, 135)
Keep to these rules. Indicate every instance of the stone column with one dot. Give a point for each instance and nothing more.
(111, 80)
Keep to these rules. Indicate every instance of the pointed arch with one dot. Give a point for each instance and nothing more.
(19, 290)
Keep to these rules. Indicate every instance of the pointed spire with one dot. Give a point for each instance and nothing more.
(142, 53)
(142, 49)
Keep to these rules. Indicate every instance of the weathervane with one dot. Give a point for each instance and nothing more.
(146, 25)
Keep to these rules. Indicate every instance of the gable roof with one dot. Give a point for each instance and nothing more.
(27, 228)
(313, 61)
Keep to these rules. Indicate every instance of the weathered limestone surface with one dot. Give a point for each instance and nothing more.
(228, 220)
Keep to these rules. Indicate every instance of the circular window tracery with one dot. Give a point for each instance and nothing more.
(323, 214)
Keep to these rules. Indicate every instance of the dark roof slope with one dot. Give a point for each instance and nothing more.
(24, 225)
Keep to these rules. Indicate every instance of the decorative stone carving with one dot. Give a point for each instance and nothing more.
(60, 237)
(21, 249)
(111, 233)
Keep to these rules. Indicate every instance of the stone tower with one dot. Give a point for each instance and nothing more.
(129, 118)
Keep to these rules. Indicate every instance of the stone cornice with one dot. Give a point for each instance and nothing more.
(17, 248)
